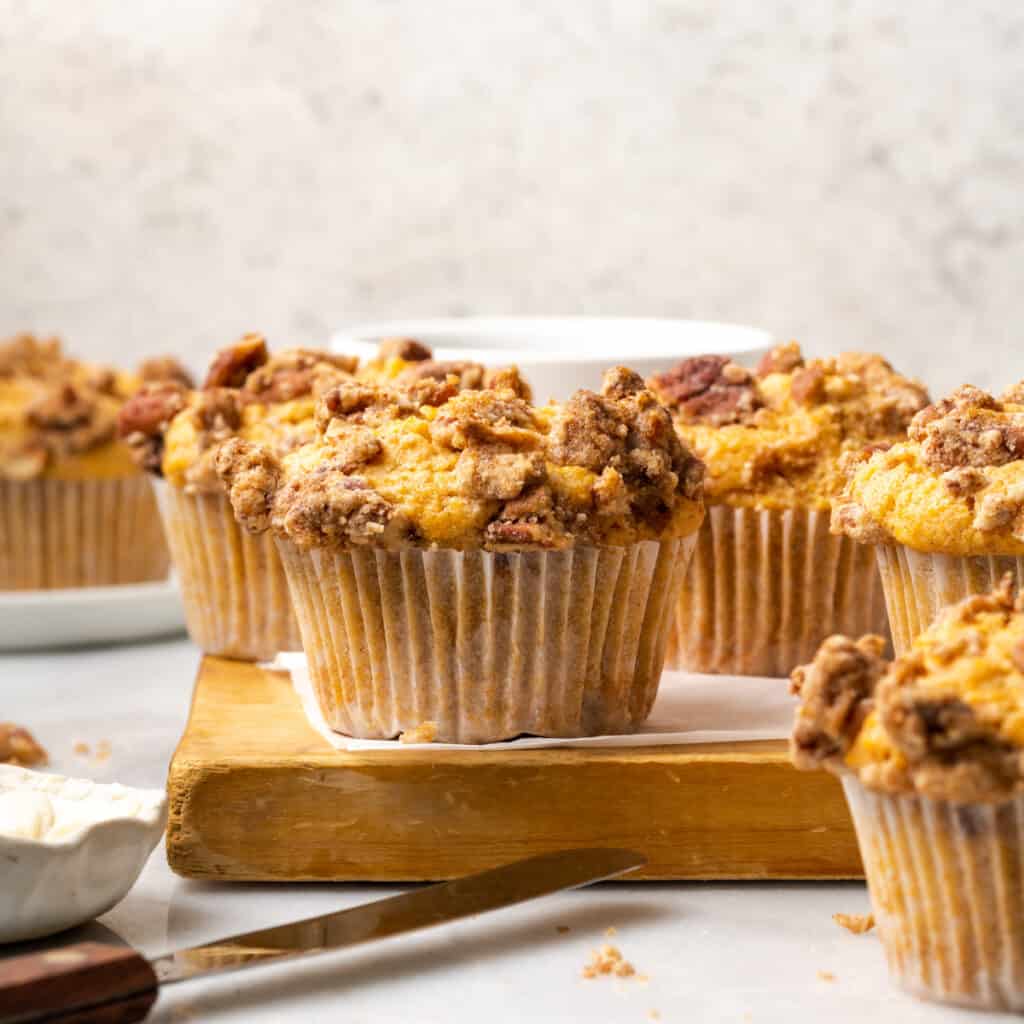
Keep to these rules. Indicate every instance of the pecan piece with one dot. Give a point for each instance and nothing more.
(782, 359)
(709, 389)
(233, 364)
(409, 349)
(150, 410)
(165, 368)
(808, 385)
(19, 747)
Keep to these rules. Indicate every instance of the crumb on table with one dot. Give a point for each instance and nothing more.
(826, 976)
(856, 923)
(425, 732)
(563, 929)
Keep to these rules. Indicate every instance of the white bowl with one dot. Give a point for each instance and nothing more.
(51, 884)
(560, 354)
(34, 619)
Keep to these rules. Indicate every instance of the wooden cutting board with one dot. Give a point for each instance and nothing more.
(256, 795)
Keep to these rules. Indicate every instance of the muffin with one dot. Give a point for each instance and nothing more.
(930, 750)
(468, 563)
(74, 509)
(768, 582)
(234, 589)
(945, 508)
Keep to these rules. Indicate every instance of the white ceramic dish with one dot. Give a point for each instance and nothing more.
(560, 354)
(89, 615)
(101, 838)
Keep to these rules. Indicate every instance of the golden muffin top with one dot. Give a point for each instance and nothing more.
(945, 720)
(174, 431)
(429, 465)
(268, 399)
(58, 416)
(774, 437)
(956, 486)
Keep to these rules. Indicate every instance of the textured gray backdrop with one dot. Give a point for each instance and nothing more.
(849, 173)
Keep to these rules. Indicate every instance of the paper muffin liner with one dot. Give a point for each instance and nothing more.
(79, 533)
(487, 646)
(233, 586)
(918, 584)
(765, 587)
(947, 888)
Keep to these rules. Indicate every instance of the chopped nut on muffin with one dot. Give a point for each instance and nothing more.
(776, 442)
(774, 438)
(61, 463)
(943, 720)
(402, 464)
(955, 486)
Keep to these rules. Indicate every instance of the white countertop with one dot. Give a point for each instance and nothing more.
(711, 951)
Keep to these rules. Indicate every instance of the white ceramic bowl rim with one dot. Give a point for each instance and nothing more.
(534, 340)
(13, 777)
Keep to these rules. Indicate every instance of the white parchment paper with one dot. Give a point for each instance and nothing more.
(689, 709)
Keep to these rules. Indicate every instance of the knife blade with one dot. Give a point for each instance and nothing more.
(90, 981)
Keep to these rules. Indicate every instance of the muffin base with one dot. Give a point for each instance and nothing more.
(79, 533)
(486, 645)
(947, 888)
(765, 587)
(236, 598)
(918, 584)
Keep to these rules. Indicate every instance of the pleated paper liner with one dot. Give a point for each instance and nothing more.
(947, 888)
(79, 533)
(486, 645)
(918, 584)
(765, 587)
(233, 586)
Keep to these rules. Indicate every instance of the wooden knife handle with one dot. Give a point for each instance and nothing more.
(86, 983)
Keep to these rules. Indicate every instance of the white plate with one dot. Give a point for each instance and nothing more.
(89, 615)
(560, 354)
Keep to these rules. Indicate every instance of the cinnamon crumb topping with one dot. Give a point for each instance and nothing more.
(777, 437)
(943, 720)
(479, 468)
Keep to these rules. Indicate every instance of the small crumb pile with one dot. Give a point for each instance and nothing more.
(856, 923)
(425, 732)
(101, 753)
(608, 960)
(826, 976)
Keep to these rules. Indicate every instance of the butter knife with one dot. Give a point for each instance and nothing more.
(92, 982)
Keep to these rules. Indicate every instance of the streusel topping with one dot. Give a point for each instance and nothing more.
(58, 416)
(775, 437)
(945, 720)
(956, 485)
(248, 392)
(428, 464)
